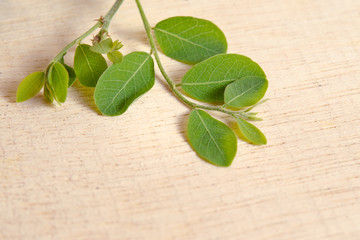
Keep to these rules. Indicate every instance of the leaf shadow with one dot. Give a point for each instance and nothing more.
(39, 101)
(162, 82)
(85, 96)
(9, 90)
(181, 126)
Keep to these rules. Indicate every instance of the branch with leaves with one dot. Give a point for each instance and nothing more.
(232, 84)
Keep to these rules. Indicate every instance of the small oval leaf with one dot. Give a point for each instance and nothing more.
(115, 56)
(245, 92)
(58, 79)
(72, 75)
(190, 40)
(102, 47)
(122, 83)
(117, 45)
(30, 86)
(70, 70)
(88, 65)
(250, 133)
(211, 139)
(206, 81)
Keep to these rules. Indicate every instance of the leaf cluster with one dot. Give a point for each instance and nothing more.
(229, 83)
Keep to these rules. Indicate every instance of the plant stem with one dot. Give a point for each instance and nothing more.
(105, 22)
(77, 40)
(107, 19)
(171, 83)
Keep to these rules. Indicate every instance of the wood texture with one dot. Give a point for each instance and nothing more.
(68, 173)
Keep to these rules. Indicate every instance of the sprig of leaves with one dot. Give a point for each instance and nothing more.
(217, 78)
(88, 65)
(232, 84)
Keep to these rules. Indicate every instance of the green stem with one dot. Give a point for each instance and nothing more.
(77, 40)
(105, 22)
(110, 14)
(107, 19)
(171, 84)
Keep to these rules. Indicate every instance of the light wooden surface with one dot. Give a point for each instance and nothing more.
(69, 173)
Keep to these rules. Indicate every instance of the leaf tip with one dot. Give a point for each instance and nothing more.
(18, 100)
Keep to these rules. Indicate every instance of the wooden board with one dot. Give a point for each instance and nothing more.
(69, 173)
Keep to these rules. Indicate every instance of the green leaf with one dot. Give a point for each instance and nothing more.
(117, 45)
(245, 92)
(102, 47)
(257, 104)
(250, 133)
(122, 83)
(70, 70)
(115, 56)
(206, 81)
(72, 75)
(47, 93)
(190, 40)
(30, 86)
(58, 79)
(211, 139)
(88, 65)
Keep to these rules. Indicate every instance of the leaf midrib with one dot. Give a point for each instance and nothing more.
(185, 40)
(212, 138)
(31, 88)
(88, 63)
(236, 97)
(127, 82)
(60, 81)
(206, 83)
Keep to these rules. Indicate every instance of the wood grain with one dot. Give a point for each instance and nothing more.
(68, 173)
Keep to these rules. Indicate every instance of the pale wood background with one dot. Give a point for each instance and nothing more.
(69, 173)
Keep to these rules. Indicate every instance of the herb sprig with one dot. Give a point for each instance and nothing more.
(232, 84)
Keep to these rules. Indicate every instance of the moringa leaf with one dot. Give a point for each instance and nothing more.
(211, 139)
(190, 40)
(72, 75)
(58, 79)
(88, 65)
(115, 56)
(206, 81)
(250, 133)
(30, 86)
(122, 83)
(102, 47)
(70, 70)
(245, 92)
